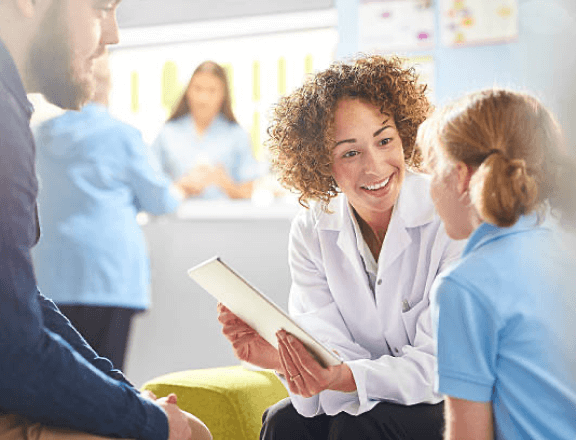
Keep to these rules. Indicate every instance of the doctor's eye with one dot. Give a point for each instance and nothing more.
(350, 153)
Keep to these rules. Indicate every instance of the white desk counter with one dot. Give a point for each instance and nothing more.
(236, 210)
(180, 330)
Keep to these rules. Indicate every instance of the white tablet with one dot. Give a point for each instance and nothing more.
(254, 308)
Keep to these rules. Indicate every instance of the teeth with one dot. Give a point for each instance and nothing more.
(378, 186)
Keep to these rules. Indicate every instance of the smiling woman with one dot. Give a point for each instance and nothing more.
(301, 131)
(362, 259)
(368, 165)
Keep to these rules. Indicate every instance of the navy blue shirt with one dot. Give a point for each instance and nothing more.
(48, 373)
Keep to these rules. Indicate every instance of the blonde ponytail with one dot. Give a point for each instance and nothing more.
(502, 190)
(515, 145)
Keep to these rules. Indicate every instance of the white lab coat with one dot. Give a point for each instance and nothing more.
(385, 337)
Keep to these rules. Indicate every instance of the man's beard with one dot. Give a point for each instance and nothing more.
(50, 64)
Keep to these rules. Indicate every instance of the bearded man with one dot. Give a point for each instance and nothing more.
(52, 384)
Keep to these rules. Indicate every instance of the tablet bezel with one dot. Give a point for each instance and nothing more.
(225, 284)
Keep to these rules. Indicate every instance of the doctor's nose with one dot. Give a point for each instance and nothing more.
(370, 162)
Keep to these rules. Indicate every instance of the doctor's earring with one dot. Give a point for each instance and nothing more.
(335, 186)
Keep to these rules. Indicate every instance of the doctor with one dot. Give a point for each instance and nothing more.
(362, 258)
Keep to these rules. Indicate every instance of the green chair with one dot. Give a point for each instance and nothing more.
(229, 400)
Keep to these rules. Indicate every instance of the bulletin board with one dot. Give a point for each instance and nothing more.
(476, 22)
(390, 26)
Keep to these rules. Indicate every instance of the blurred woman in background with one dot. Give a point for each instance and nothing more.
(203, 139)
(503, 313)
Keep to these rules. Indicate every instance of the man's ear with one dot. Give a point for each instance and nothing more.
(463, 174)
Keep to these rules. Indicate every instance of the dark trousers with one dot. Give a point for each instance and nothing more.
(386, 421)
(106, 329)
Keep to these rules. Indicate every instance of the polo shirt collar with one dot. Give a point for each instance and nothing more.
(214, 126)
(487, 232)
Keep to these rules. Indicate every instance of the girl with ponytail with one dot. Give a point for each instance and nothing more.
(499, 179)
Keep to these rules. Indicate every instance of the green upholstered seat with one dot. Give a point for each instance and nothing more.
(229, 400)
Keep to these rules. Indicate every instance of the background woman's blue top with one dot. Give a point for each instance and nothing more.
(503, 325)
(95, 175)
(179, 149)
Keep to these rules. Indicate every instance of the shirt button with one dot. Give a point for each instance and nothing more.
(405, 306)
(379, 282)
(396, 350)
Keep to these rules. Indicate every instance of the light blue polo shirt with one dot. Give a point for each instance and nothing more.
(95, 175)
(501, 319)
(179, 149)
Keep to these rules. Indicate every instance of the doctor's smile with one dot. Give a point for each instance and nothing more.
(377, 186)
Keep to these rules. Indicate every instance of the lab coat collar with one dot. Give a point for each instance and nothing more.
(413, 208)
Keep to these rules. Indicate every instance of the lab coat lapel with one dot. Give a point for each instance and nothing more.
(346, 241)
(413, 209)
(347, 244)
(396, 241)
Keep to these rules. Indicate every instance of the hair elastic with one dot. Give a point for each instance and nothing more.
(493, 151)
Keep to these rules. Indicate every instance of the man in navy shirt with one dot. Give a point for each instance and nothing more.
(52, 384)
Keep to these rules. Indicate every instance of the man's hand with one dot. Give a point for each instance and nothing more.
(147, 394)
(178, 426)
(248, 345)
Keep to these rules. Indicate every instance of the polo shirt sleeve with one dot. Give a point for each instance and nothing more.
(247, 168)
(161, 151)
(467, 328)
(146, 178)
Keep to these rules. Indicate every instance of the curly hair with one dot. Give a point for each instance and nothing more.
(301, 131)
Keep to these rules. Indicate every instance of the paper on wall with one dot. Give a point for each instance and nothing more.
(475, 22)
